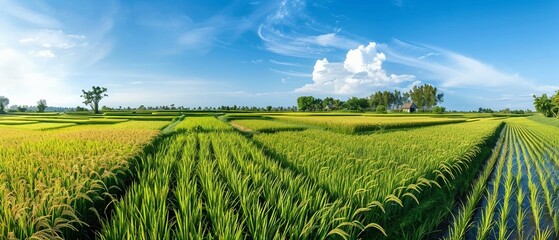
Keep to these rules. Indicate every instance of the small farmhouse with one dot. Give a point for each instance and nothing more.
(409, 107)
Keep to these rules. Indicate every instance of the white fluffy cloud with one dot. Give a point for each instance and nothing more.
(360, 72)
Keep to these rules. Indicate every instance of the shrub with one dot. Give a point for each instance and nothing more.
(439, 110)
(381, 109)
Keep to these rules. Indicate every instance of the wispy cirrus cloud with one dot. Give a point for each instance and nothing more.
(289, 31)
(292, 64)
(221, 29)
(39, 16)
(452, 69)
(292, 73)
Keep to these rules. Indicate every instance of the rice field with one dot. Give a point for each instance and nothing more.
(517, 195)
(15, 122)
(397, 169)
(39, 125)
(265, 126)
(203, 124)
(55, 183)
(74, 120)
(202, 177)
(357, 124)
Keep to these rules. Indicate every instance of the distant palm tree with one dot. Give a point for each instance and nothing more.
(544, 105)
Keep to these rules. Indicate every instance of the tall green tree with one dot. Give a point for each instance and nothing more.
(387, 99)
(398, 99)
(355, 103)
(338, 104)
(317, 105)
(4, 101)
(375, 99)
(544, 105)
(305, 103)
(426, 96)
(93, 97)
(328, 101)
(41, 105)
(555, 102)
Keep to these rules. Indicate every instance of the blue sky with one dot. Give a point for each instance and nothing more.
(210, 53)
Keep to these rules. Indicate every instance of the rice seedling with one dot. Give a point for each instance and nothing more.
(487, 217)
(462, 222)
(529, 180)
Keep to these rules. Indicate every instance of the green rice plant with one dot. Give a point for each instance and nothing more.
(541, 197)
(226, 223)
(265, 126)
(143, 213)
(487, 221)
(261, 220)
(378, 168)
(504, 212)
(189, 208)
(537, 148)
(462, 222)
(531, 148)
(283, 191)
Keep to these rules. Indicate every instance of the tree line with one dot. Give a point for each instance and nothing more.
(40, 107)
(425, 97)
(548, 106)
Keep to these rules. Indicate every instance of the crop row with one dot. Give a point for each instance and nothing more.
(218, 184)
(521, 199)
(395, 176)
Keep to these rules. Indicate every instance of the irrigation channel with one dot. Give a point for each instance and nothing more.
(517, 195)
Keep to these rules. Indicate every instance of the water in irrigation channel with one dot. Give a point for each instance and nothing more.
(522, 161)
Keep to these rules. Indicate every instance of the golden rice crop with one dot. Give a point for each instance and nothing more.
(53, 182)
(265, 125)
(40, 126)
